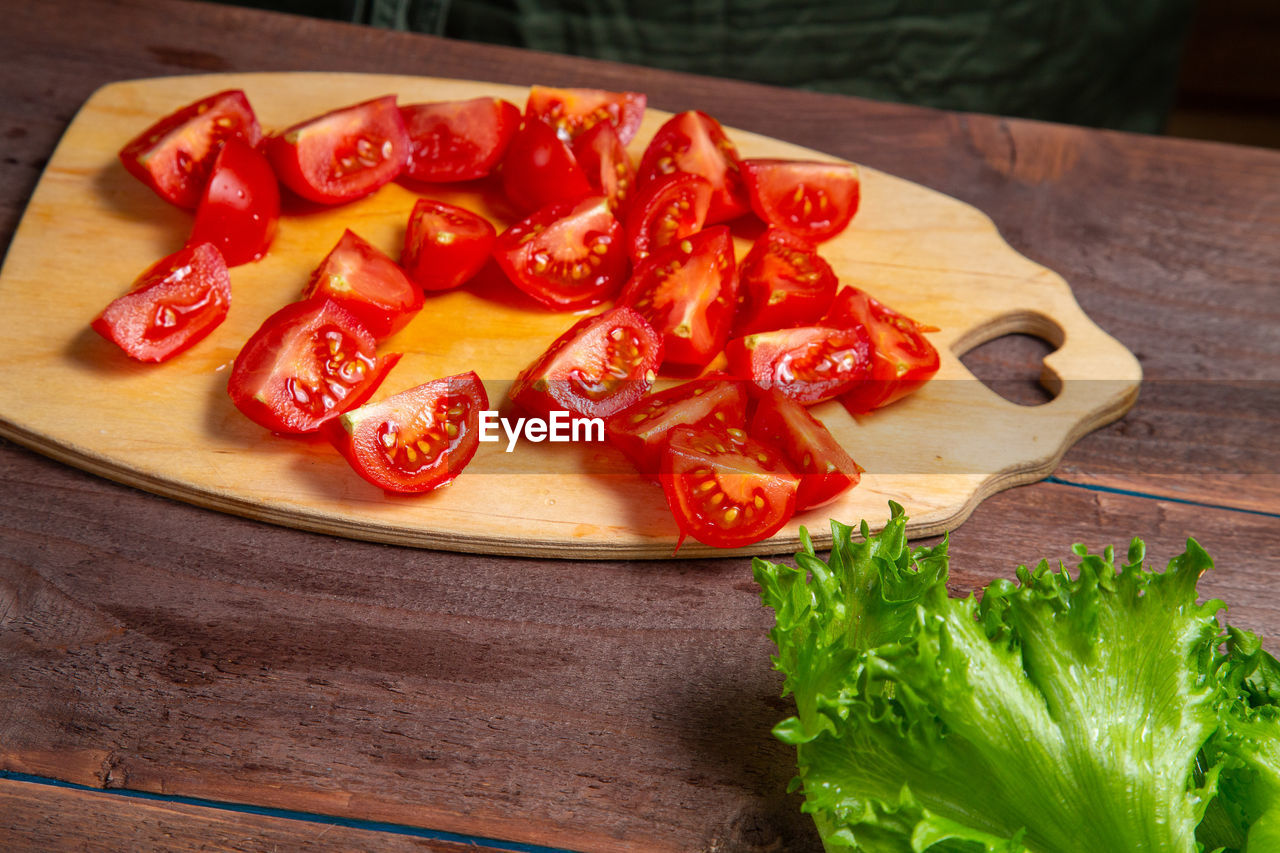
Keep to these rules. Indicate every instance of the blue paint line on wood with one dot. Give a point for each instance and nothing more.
(1133, 493)
(288, 814)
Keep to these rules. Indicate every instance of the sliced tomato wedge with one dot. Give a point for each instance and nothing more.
(308, 362)
(826, 470)
(240, 206)
(343, 154)
(572, 112)
(809, 364)
(175, 155)
(695, 143)
(457, 140)
(783, 282)
(173, 305)
(365, 281)
(604, 160)
(812, 200)
(539, 169)
(724, 488)
(597, 368)
(417, 440)
(566, 255)
(902, 359)
(641, 431)
(665, 211)
(688, 292)
(445, 245)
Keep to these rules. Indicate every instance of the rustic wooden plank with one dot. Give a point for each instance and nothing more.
(37, 817)
(158, 646)
(598, 706)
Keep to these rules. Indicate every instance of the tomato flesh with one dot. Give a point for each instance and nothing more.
(417, 440)
(566, 255)
(809, 364)
(240, 206)
(665, 211)
(825, 469)
(308, 362)
(445, 245)
(641, 431)
(812, 200)
(457, 140)
(694, 143)
(902, 357)
(599, 367)
(688, 292)
(608, 169)
(540, 169)
(362, 279)
(175, 155)
(784, 282)
(724, 488)
(173, 305)
(573, 112)
(343, 154)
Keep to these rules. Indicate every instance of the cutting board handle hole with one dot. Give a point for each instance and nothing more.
(1012, 365)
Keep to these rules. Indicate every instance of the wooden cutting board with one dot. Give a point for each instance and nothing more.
(90, 228)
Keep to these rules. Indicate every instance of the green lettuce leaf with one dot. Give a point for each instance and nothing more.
(1246, 815)
(1063, 714)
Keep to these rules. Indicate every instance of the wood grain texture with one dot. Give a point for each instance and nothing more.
(171, 428)
(431, 708)
(37, 817)
(598, 706)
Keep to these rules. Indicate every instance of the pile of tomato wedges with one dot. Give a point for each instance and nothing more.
(735, 450)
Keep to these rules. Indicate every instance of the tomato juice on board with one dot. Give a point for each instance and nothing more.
(620, 264)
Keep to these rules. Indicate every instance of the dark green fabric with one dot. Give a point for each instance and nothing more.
(1105, 63)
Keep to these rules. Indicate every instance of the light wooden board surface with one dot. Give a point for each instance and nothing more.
(90, 228)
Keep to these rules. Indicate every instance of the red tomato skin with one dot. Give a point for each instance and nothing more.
(665, 211)
(189, 291)
(265, 382)
(445, 245)
(825, 468)
(695, 143)
(457, 140)
(607, 166)
(573, 112)
(366, 282)
(360, 434)
(744, 460)
(783, 282)
(344, 154)
(539, 169)
(798, 361)
(240, 206)
(813, 200)
(579, 362)
(902, 359)
(175, 155)
(520, 251)
(688, 292)
(641, 431)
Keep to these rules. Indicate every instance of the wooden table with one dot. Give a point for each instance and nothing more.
(233, 684)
